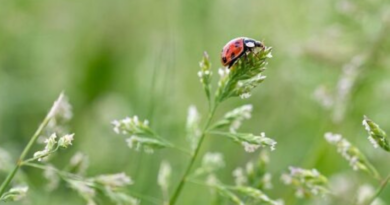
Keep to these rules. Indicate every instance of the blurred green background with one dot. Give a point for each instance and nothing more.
(122, 58)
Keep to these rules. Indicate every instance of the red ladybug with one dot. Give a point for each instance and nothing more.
(237, 47)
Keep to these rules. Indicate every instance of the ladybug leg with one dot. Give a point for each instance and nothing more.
(231, 64)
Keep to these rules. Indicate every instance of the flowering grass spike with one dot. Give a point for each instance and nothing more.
(243, 76)
(254, 173)
(205, 75)
(351, 153)
(141, 135)
(307, 182)
(234, 118)
(377, 136)
(249, 141)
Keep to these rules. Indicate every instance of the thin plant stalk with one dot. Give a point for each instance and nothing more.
(19, 163)
(379, 190)
(179, 188)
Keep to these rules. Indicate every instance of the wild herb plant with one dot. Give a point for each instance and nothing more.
(359, 161)
(309, 183)
(237, 81)
(54, 134)
(250, 182)
(356, 67)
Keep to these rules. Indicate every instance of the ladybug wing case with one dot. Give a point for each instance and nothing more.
(232, 51)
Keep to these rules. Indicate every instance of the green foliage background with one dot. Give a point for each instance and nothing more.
(121, 58)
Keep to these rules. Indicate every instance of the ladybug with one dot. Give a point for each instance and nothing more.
(236, 48)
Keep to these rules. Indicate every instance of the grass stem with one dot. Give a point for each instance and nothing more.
(25, 151)
(379, 190)
(179, 188)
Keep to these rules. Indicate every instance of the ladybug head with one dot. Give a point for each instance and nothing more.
(259, 44)
(252, 43)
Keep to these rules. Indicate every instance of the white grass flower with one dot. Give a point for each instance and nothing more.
(250, 147)
(61, 108)
(131, 125)
(14, 194)
(50, 146)
(332, 138)
(66, 140)
(373, 142)
(192, 126)
(223, 72)
(239, 176)
(142, 136)
(51, 142)
(59, 115)
(245, 95)
(40, 155)
(306, 182)
(114, 180)
(205, 74)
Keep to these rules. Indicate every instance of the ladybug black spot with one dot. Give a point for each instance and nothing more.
(233, 55)
(224, 59)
